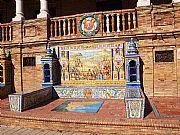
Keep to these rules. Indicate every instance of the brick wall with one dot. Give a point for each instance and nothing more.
(32, 76)
(158, 28)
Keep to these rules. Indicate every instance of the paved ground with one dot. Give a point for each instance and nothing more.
(16, 130)
(164, 109)
(111, 109)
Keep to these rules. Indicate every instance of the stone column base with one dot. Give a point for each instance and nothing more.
(43, 15)
(18, 18)
(143, 3)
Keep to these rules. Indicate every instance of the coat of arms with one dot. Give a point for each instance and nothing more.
(89, 25)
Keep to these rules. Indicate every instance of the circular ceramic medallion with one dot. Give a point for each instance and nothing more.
(118, 61)
(89, 25)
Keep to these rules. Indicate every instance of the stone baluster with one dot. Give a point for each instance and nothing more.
(134, 20)
(104, 23)
(73, 26)
(19, 11)
(55, 28)
(69, 27)
(10, 32)
(118, 22)
(113, 17)
(7, 33)
(64, 27)
(59, 27)
(51, 29)
(2, 33)
(107, 23)
(129, 21)
(123, 21)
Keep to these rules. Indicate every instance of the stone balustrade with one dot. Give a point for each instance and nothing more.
(63, 26)
(6, 32)
(119, 21)
(111, 22)
(138, 21)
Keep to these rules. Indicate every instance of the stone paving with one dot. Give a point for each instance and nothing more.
(111, 109)
(17, 130)
(165, 112)
(162, 107)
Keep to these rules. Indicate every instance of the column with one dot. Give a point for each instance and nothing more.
(19, 11)
(44, 12)
(143, 3)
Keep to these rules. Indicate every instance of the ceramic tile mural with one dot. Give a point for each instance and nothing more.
(92, 62)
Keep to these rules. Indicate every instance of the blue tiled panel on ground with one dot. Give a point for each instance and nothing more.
(79, 106)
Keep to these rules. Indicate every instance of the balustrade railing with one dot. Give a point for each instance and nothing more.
(119, 21)
(5, 32)
(111, 22)
(62, 26)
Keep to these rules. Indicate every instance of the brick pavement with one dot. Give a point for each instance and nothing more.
(166, 107)
(17, 130)
(110, 118)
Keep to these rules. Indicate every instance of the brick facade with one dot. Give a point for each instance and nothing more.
(158, 30)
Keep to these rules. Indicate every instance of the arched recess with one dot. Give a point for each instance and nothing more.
(46, 73)
(132, 71)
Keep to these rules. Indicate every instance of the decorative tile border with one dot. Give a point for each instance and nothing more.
(106, 92)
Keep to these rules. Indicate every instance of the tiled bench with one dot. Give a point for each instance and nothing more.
(22, 101)
(135, 102)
